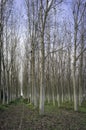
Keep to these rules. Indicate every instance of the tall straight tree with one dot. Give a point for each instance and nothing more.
(82, 46)
(5, 9)
(1, 39)
(78, 12)
(45, 7)
(30, 5)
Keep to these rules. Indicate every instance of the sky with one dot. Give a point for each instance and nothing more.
(65, 8)
(64, 13)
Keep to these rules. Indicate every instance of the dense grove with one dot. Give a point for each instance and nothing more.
(43, 52)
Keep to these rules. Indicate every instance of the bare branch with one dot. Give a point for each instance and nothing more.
(54, 51)
(80, 54)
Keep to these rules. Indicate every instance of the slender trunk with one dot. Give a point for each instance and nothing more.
(62, 91)
(53, 94)
(48, 98)
(75, 90)
(8, 94)
(0, 72)
(42, 77)
(58, 92)
(4, 81)
(74, 79)
(33, 77)
(80, 89)
(32, 95)
(74, 67)
(69, 92)
(1, 43)
(69, 74)
(81, 73)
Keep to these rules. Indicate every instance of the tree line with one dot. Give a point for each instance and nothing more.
(9, 65)
(54, 60)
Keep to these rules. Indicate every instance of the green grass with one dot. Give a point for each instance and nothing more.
(17, 101)
(3, 107)
(49, 107)
(6, 106)
(82, 108)
(30, 106)
(65, 105)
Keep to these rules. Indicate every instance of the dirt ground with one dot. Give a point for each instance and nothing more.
(21, 117)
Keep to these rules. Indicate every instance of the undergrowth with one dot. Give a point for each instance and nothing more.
(3, 107)
(49, 107)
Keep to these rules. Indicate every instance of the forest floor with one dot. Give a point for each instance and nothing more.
(23, 116)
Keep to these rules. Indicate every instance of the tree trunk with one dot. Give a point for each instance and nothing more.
(42, 85)
(1, 42)
(74, 80)
(81, 72)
